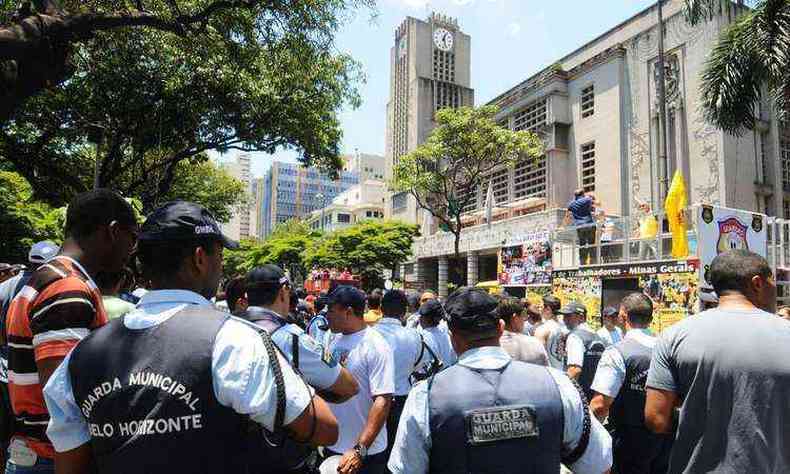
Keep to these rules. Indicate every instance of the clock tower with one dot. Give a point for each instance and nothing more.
(430, 69)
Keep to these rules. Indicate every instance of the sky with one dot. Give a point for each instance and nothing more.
(511, 40)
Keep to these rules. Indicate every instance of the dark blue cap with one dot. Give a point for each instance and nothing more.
(432, 309)
(349, 297)
(609, 312)
(267, 276)
(472, 309)
(574, 307)
(183, 220)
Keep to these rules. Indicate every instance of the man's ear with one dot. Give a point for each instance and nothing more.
(500, 328)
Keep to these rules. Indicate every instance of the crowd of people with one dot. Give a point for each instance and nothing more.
(270, 379)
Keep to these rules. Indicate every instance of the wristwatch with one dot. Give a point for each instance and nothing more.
(361, 450)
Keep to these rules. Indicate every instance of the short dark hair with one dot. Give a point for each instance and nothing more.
(394, 304)
(552, 302)
(234, 290)
(638, 307)
(374, 299)
(262, 295)
(508, 307)
(92, 209)
(162, 259)
(301, 293)
(320, 303)
(578, 193)
(732, 271)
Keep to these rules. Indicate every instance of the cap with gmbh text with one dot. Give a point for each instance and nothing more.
(471, 309)
(183, 220)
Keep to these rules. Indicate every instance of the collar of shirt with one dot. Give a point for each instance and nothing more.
(156, 307)
(81, 268)
(583, 326)
(642, 336)
(390, 321)
(258, 309)
(489, 357)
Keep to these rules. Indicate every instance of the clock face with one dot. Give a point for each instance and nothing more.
(443, 39)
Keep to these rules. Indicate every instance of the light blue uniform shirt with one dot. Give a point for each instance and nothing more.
(410, 453)
(438, 339)
(324, 336)
(316, 365)
(406, 347)
(610, 375)
(242, 376)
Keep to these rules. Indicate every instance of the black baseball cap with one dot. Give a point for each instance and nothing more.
(472, 309)
(432, 309)
(349, 297)
(183, 220)
(610, 311)
(574, 308)
(267, 276)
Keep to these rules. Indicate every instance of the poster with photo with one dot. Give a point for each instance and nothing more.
(527, 264)
(722, 229)
(585, 290)
(675, 296)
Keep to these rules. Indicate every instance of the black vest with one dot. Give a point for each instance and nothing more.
(506, 421)
(628, 408)
(593, 350)
(148, 398)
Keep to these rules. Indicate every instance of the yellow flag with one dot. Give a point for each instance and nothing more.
(674, 205)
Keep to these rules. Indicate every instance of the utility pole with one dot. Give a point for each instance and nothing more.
(663, 159)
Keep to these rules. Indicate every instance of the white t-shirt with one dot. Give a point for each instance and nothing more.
(369, 359)
(555, 343)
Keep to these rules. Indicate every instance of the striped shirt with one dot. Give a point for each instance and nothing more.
(50, 315)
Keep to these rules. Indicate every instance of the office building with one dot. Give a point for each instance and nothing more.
(360, 202)
(242, 222)
(430, 69)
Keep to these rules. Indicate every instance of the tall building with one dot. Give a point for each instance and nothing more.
(241, 224)
(367, 166)
(358, 203)
(430, 69)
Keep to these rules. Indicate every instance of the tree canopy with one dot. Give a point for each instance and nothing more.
(750, 60)
(463, 150)
(194, 76)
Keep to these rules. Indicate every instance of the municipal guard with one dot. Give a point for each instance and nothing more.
(269, 294)
(174, 384)
(583, 348)
(488, 413)
(619, 392)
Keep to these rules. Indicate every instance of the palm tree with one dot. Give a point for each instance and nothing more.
(752, 58)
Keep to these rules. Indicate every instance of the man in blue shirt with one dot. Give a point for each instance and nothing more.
(489, 413)
(580, 214)
(407, 351)
(174, 383)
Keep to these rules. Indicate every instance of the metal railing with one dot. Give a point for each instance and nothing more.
(613, 240)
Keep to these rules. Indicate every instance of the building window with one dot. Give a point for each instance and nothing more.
(784, 145)
(500, 181)
(588, 166)
(786, 209)
(368, 214)
(588, 101)
(469, 197)
(529, 178)
(399, 202)
(344, 218)
(764, 157)
(532, 117)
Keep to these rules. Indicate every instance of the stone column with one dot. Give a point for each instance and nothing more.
(443, 264)
(471, 268)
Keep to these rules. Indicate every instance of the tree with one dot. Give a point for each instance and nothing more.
(466, 146)
(251, 79)
(751, 57)
(284, 247)
(23, 220)
(40, 39)
(208, 185)
(367, 248)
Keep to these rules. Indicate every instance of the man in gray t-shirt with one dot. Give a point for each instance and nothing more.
(728, 370)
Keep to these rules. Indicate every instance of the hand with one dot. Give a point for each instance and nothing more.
(350, 463)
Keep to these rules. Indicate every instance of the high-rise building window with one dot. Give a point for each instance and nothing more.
(468, 197)
(399, 202)
(499, 182)
(764, 157)
(588, 166)
(785, 148)
(529, 178)
(532, 117)
(588, 101)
